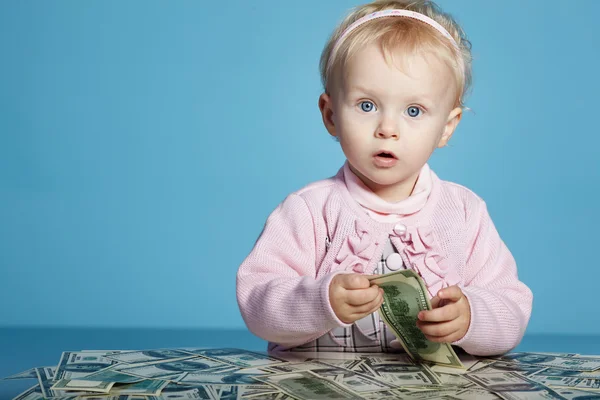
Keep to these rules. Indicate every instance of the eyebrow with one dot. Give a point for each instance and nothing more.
(359, 89)
(416, 97)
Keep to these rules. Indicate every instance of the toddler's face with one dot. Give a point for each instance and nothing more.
(390, 120)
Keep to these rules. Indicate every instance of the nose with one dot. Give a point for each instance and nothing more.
(387, 129)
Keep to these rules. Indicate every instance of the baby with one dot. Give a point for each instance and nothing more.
(395, 73)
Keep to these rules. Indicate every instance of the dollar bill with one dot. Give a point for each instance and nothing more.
(144, 356)
(355, 381)
(405, 295)
(301, 366)
(476, 394)
(79, 385)
(453, 380)
(109, 374)
(75, 365)
(572, 363)
(29, 374)
(399, 373)
(45, 376)
(175, 391)
(270, 396)
(387, 394)
(204, 378)
(512, 386)
(243, 391)
(565, 372)
(451, 394)
(145, 387)
(499, 366)
(239, 357)
(567, 382)
(35, 393)
(306, 385)
(575, 394)
(177, 369)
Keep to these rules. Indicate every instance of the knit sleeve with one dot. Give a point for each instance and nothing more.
(279, 297)
(500, 303)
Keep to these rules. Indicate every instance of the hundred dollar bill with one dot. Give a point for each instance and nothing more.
(111, 397)
(574, 394)
(110, 374)
(453, 380)
(35, 393)
(449, 394)
(476, 394)
(306, 385)
(270, 396)
(177, 369)
(405, 295)
(143, 356)
(352, 380)
(512, 386)
(239, 357)
(200, 378)
(296, 367)
(45, 377)
(75, 365)
(399, 373)
(174, 391)
(29, 374)
(565, 372)
(386, 394)
(146, 388)
(244, 391)
(79, 385)
(567, 382)
(500, 366)
(571, 363)
(101, 381)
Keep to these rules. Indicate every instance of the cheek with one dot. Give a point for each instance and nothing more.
(352, 127)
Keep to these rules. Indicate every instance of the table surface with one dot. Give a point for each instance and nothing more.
(25, 348)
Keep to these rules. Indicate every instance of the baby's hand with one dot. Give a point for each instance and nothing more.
(449, 319)
(352, 297)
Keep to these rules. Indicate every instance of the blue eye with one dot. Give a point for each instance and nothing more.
(413, 111)
(367, 106)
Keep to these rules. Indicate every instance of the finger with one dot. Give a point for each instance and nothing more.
(359, 297)
(354, 281)
(438, 329)
(453, 337)
(435, 302)
(448, 312)
(372, 276)
(369, 312)
(452, 293)
(365, 308)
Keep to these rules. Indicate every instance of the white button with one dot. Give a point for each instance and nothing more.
(394, 262)
(399, 229)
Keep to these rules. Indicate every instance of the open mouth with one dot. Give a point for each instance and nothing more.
(385, 154)
(384, 159)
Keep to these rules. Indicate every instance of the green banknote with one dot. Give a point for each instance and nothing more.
(405, 294)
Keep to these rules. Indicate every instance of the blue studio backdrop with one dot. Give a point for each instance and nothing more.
(144, 143)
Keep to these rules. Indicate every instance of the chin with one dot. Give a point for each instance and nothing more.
(383, 181)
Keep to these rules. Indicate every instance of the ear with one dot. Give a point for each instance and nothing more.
(326, 108)
(451, 124)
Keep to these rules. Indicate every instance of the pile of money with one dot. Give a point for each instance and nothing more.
(204, 373)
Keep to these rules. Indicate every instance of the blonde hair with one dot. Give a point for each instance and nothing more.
(401, 33)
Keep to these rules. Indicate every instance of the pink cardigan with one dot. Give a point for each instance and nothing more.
(320, 231)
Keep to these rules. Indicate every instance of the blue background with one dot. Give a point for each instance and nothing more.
(144, 143)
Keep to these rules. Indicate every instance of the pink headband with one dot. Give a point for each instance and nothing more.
(391, 13)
